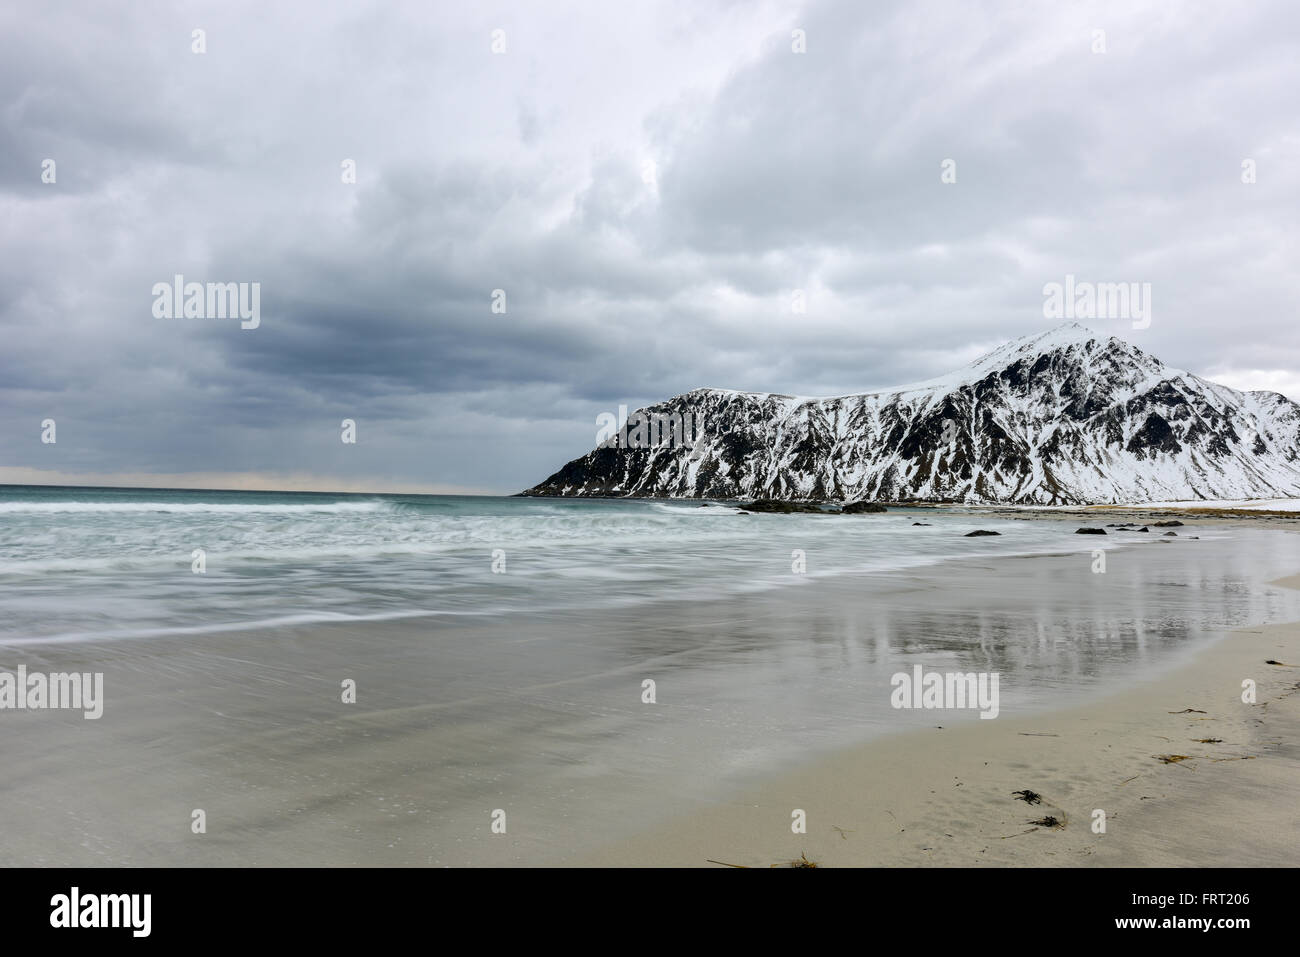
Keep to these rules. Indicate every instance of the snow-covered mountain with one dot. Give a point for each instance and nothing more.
(1064, 417)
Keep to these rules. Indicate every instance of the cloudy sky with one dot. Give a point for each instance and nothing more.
(649, 183)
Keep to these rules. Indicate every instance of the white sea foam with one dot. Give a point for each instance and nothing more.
(74, 566)
(282, 621)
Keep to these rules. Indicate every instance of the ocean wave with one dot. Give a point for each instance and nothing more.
(385, 542)
(281, 621)
(696, 511)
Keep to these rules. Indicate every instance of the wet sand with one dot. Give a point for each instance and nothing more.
(763, 704)
(945, 797)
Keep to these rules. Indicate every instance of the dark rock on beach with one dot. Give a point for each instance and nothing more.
(980, 531)
(781, 506)
(1090, 531)
(858, 508)
(1171, 524)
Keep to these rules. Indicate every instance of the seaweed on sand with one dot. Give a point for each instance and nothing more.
(801, 862)
(1048, 821)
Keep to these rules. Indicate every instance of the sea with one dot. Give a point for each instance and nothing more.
(102, 563)
(367, 679)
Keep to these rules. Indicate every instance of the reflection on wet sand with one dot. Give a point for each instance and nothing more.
(543, 716)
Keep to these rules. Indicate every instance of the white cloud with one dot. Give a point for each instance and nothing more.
(1285, 381)
(774, 171)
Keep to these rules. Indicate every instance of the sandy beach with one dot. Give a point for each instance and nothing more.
(945, 796)
(766, 703)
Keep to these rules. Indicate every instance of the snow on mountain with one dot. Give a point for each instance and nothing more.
(1063, 417)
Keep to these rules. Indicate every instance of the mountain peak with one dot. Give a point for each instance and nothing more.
(1065, 335)
(1061, 416)
(1026, 350)
(1069, 332)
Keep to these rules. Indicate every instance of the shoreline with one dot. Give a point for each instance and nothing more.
(542, 714)
(944, 796)
(1067, 546)
(1190, 514)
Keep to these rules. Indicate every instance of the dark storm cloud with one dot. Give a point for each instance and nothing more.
(649, 187)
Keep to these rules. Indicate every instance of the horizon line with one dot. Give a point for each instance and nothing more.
(263, 491)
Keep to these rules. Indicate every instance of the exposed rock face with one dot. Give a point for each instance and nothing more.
(783, 507)
(858, 508)
(1065, 417)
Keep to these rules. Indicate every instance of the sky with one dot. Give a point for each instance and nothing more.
(476, 227)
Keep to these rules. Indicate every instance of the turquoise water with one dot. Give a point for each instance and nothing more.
(81, 563)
